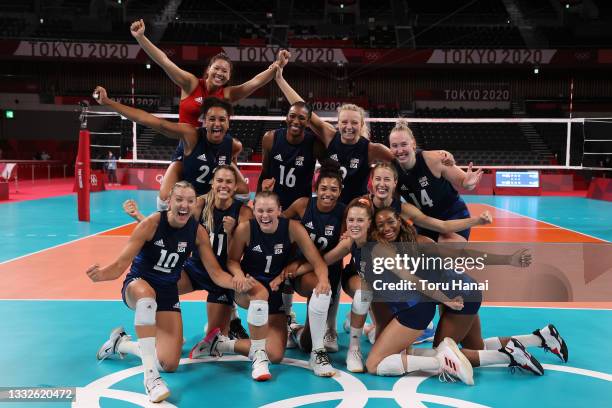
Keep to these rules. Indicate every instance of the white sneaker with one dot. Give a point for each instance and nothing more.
(453, 363)
(519, 357)
(320, 364)
(330, 341)
(553, 342)
(294, 332)
(207, 346)
(156, 389)
(354, 361)
(109, 347)
(260, 371)
(347, 323)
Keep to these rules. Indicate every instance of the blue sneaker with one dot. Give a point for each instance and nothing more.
(427, 336)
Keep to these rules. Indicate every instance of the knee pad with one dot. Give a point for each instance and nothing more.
(391, 366)
(145, 312)
(361, 302)
(257, 315)
(162, 205)
(319, 304)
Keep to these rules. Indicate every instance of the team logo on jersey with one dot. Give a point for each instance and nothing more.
(354, 163)
(159, 243)
(177, 305)
(334, 157)
(329, 230)
(199, 100)
(423, 181)
(202, 156)
(404, 188)
(222, 298)
(221, 160)
(278, 249)
(299, 161)
(278, 157)
(309, 225)
(257, 249)
(362, 266)
(181, 247)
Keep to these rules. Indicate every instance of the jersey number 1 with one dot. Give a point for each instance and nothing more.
(288, 181)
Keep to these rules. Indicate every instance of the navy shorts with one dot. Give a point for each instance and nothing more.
(346, 274)
(179, 152)
(275, 299)
(416, 317)
(201, 280)
(472, 299)
(166, 296)
(456, 212)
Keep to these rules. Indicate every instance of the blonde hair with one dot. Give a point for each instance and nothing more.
(365, 130)
(208, 218)
(181, 184)
(402, 125)
(384, 165)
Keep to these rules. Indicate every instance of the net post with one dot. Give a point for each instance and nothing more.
(82, 170)
(568, 142)
(134, 142)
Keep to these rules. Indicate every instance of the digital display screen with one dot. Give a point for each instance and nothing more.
(517, 179)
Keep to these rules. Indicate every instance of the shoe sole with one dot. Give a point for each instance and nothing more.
(263, 377)
(356, 370)
(555, 333)
(215, 332)
(331, 349)
(161, 397)
(453, 346)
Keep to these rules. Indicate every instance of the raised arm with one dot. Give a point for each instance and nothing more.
(183, 131)
(183, 79)
(266, 146)
(242, 91)
(144, 232)
(296, 209)
(410, 212)
(379, 152)
(131, 208)
(324, 130)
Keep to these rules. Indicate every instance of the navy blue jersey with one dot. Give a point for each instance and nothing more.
(418, 186)
(323, 227)
(353, 159)
(267, 254)
(396, 204)
(161, 259)
(292, 166)
(205, 157)
(218, 238)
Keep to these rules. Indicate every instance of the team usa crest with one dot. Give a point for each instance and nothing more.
(329, 230)
(423, 181)
(299, 161)
(278, 249)
(181, 247)
(354, 164)
(222, 160)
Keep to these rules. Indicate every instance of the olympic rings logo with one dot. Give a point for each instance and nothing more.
(354, 393)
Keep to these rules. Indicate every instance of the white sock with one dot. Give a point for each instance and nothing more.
(529, 340)
(423, 352)
(148, 356)
(226, 346)
(490, 357)
(317, 316)
(129, 347)
(492, 343)
(257, 345)
(417, 363)
(355, 337)
(392, 365)
(162, 205)
(287, 302)
(234, 314)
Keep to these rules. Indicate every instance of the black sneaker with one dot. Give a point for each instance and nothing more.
(519, 357)
(236, 331)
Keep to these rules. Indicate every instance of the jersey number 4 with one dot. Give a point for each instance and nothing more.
(425, 200)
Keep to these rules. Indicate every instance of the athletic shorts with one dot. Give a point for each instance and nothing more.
(333, 275)
(346, 274)
(201, 280)
(472, 299)
(166, 296)
(416, 317)
(456, 212)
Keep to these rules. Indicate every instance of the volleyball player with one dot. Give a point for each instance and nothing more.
(261, 248)
(219, 213)
(322, 218)
(205, 148)
(195, 90)
(157, 250)
(429, 184)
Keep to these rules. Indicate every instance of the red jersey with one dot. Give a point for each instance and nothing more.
(189, 108)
